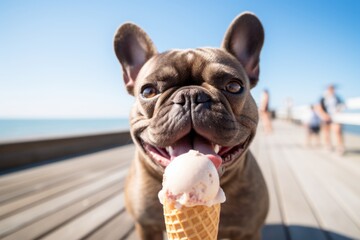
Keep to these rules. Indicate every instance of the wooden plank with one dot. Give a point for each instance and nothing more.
(36, 178)
(84, 224)
(52, 221)
(9, 207)
(25, 217)
(132, 236)
(18, 154)
(352, 145)
(274, 228)
(294, 205)
(339, 168)
(274, 215)
(76, 163)
(329, 213)
(334, 173)
(346, 197)
(329, 187)
(117, 228)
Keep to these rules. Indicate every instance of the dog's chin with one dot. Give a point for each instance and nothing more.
(162, 156)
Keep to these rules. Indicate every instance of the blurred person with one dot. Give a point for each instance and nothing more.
(313, 124)
(265, 113)
(331, 104)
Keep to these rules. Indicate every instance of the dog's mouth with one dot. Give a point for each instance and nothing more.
(225, 154)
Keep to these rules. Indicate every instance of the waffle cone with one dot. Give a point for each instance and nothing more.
(192, 223)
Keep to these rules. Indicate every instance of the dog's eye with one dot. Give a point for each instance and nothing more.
(233, 87)
(149, 92)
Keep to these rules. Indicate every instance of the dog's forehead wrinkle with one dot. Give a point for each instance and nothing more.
(170, 66)
(163, 74)
(196, 65)
(169, 71)
(221, 71)
(214, 63)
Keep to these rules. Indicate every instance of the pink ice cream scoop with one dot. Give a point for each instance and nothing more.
(192, 179)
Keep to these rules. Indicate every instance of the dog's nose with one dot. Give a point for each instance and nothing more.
(190, 95)
(202, 97)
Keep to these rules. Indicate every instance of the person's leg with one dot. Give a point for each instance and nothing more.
(317, 136)
(339, 137)
(327, 138)
(266, 122)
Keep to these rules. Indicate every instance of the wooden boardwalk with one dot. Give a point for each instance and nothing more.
(314, 194)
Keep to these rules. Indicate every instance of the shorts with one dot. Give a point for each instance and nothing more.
(314, 129)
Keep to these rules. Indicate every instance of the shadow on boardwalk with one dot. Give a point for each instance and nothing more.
(282, 232)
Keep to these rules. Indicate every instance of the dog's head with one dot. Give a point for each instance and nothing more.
(192, 99)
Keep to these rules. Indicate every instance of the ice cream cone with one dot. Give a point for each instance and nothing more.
(192, 223)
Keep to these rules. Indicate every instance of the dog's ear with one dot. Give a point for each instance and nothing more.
(244, 40)
(133, 48)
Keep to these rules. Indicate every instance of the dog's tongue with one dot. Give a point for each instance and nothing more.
(200, 144)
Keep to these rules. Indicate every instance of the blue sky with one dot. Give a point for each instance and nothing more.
(57, 59)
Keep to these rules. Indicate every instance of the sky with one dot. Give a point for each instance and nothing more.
(57, 58)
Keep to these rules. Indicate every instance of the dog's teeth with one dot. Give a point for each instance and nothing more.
(170, 150)
(217, 148)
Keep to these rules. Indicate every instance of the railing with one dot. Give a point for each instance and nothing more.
(349, 116)
(18, 154)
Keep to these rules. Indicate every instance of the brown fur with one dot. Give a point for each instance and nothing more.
(192, 97)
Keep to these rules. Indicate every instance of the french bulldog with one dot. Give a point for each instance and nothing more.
(195, 99)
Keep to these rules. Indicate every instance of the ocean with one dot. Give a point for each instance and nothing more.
(24, 130)
(353, 129)
(29, 129)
